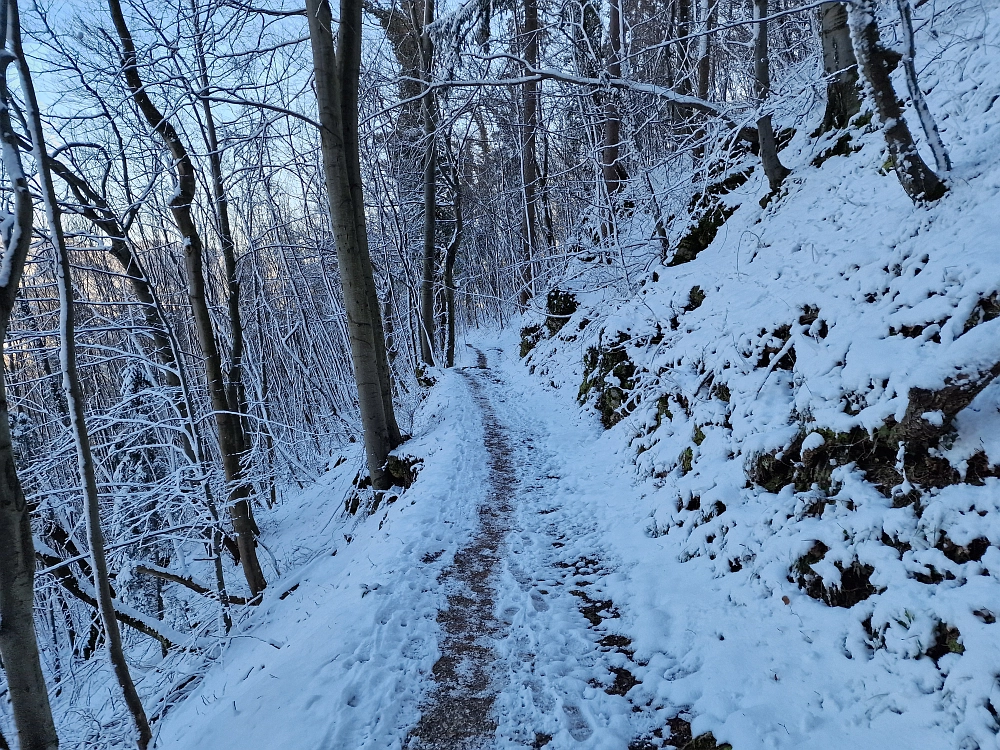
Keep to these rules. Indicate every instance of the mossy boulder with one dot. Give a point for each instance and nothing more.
(530, 336)
(702, 233)
(560, 306)
(403, 469)
(608, 373)
(813, 455)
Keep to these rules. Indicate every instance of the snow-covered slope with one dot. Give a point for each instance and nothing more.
(828, 589)
(337, 653)
(766, 561)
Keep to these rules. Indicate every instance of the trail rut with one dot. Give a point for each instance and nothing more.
(459, 713)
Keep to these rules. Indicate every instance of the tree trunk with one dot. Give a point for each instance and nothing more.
(917, 179)
(232, 442)
(29, 697)
(429, 258)
(773, 168)
(449, 273)
(403, 34)
(843, 99)
(529, 161)
(941, 158)
(75, 398)
(611, 167)
(336, 88)
(706, 11)
(350, 61)
(234, 387)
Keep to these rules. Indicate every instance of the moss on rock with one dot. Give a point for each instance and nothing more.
(602, 365)
(530, 336)
(560, 306)
(703, 233)
(855, 580)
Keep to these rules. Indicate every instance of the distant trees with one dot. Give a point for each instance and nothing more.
(232, 441)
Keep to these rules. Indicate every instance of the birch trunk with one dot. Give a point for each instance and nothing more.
(706, 12)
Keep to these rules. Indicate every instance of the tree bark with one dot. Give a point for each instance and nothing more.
(18, 641)
(843, 99)
(337, 78)
(429, 257)
(917, 179)
(611, 166)
(773, 168)
(529, 160)
(706, 11)
(232, 441)
(75, 397)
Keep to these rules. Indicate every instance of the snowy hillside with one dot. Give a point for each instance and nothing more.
(764, 561)
(762, 391)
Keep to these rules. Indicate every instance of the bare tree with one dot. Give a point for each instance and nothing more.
(74, 394)
(918, 180)
(18, 641)
(232, 441)
(429, 116)
(529, 158)
(337, 74)
(773, 168)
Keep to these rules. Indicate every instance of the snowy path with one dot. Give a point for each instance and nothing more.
(460, 713)
(526, 658)
(474, 613)
(522, 618)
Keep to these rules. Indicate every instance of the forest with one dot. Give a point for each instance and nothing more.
(612, 374)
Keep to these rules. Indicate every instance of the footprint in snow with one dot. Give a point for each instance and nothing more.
(578, 727)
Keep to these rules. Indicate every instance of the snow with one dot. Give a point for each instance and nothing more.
(337, 653)
(644, 549)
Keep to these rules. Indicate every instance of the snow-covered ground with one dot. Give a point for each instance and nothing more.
(336, 655)
(343, 661)
(647, 576)
(815, 316)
